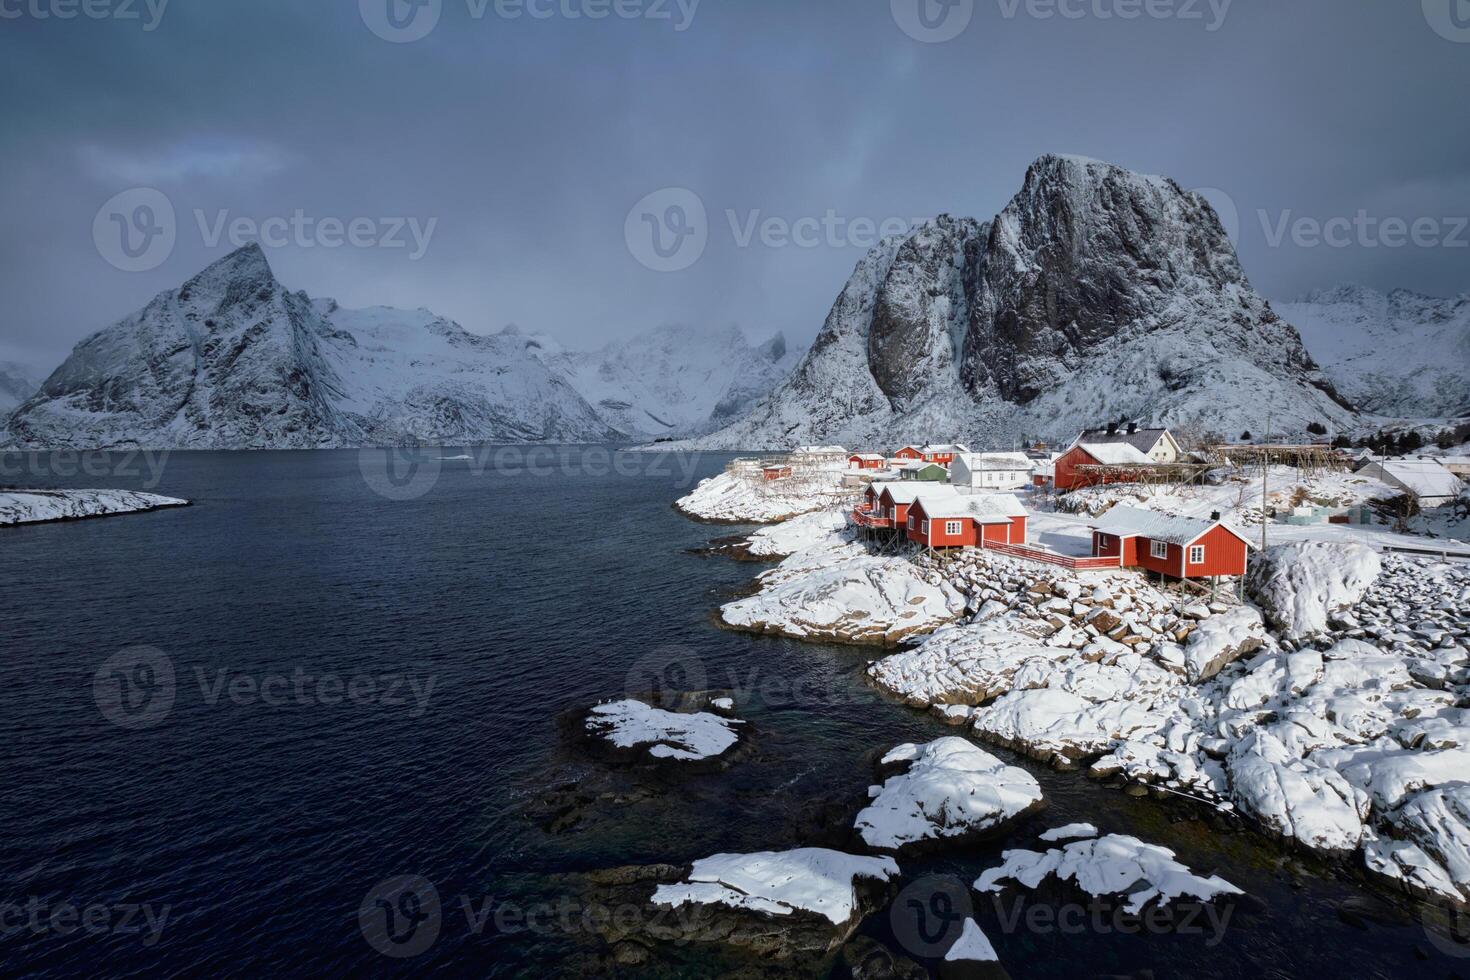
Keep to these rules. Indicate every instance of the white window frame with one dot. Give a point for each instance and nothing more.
(1158, 549)
(953, 529)
(925, 529)
(911, 522)
(1196, 549)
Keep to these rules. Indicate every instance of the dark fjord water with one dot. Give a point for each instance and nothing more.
(262, 827)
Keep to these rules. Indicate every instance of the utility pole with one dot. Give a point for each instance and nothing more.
(1265, 478)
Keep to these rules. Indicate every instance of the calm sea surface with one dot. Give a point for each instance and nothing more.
(364, 688)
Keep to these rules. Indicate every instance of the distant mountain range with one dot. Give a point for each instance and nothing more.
(234, 360)
(17, 383)
(1097, 294)
(673, 380)
(1399, 354)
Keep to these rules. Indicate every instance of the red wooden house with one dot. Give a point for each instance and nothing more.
(866, 461)
(1180, 547)
(1068, 477)
(966, 520)
(889, 503)
(943, 454)
(775, 472)
(909, 454)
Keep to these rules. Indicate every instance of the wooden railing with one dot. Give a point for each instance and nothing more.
(1075, 563)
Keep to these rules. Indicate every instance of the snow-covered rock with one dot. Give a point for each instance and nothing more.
(860, 600)
(735, 498)
(1071, 831)
(808, 879)
(1221, 640)
(1111, 866)
(951, 788)
(681, 737)
(1046, 723)
(233, 360)
(1437, 822)
(37, 506)
(797, 534)
(1313, 805)
(973, 951)
(1096, 293)
(1300, 585)
(969, 664)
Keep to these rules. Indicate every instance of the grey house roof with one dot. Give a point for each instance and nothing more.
(1143, 440)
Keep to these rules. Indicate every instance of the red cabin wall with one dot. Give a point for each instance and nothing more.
(1067, 477)
(907, 453)
(1225, 554)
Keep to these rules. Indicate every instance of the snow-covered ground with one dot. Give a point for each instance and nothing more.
(751, 499)
(798, 534)
(36, 506)
(1328, 705)
(808, 879)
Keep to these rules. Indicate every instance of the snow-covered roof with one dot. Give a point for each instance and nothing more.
(986, 508)
(1114, 453)
(918, 464)
(996, 461)
(908, 491)
(1128, 522)
(819, 451)
(1141, 439)
(878, 456)
(945, 448)
(1424, 477)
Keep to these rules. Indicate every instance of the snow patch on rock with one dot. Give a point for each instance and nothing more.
(809, 879)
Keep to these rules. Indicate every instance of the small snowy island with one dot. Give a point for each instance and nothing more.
(633, 727)
(40, 506)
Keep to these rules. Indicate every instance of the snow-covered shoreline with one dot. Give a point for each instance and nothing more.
(44, 506)
(1332, 717)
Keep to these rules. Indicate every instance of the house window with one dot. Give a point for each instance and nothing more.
(1197, 555)
(952, 528)
(1159, 549)
(926, 528)
(911, 522)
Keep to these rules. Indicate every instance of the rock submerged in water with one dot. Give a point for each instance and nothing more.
(950, 790)
(634, 730)
(801, 904)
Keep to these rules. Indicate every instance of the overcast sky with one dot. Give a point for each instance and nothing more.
(520, 147)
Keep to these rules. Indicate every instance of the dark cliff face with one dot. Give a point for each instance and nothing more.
(926, 293)
(1086, 252)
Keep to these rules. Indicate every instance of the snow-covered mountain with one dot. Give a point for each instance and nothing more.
(1097, 294)
(17, 383)
(233, 360)
(674, 380)
(1401, 354)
